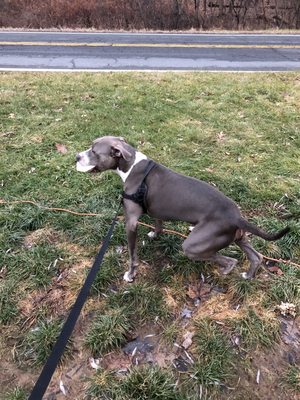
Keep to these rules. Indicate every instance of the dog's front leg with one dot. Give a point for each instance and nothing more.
(158, 229)
(131, 231)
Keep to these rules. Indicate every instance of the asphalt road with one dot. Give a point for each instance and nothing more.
(134, 51)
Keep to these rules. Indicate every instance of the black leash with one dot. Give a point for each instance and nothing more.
(58, 349)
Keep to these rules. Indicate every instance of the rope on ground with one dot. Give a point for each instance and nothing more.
(169, 231)
(48, 208)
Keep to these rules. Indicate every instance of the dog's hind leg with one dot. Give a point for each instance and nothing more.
(203, 243)
(253, 256)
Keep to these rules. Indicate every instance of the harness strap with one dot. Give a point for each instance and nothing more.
(140, 196)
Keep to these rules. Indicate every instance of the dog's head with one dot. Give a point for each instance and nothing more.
(106, 153)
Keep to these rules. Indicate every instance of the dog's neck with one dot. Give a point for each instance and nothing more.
(126, 172)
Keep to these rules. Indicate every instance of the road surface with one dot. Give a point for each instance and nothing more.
(75, 51)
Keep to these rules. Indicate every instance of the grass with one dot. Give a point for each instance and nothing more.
(16, 394)
(213, 365)
(292, 378)
(149, 383)
(141, 383)
(237, 132)
(256, 330)
(141, 302)
(111, 267)
(107, 332)
(39, 341)
(286, 289)
(241, 289)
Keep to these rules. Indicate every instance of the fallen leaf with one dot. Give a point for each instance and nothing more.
(188, 336)
(94, 363)
(287, 309)
(199, 290)
(186, 313)
(258, 376)
(61, 148)
(221, 136)
(205, 290)
(193, 291)
(276, 270)
(210, 170)
(62, 388)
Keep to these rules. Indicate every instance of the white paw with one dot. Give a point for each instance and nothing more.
(244, 275)
(151, 235)
(127, 277)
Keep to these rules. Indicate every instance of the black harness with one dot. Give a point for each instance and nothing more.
(140, 196)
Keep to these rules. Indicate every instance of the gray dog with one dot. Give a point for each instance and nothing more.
(165, 195)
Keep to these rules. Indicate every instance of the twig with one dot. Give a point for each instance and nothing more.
(49, 208)
(280, 260)
(2, 201)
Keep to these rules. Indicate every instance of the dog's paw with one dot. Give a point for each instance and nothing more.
(152, 235)
(245, 275)
(128, 277)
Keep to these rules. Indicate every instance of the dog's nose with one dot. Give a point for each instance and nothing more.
(78, 157)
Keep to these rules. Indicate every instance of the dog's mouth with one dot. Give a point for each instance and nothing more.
(94, 170)
(85, 168)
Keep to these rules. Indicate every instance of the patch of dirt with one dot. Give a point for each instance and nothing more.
(43, 235)
(262, 380)
(58, 297)
(11, 375)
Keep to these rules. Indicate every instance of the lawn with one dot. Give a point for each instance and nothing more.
(204, 335)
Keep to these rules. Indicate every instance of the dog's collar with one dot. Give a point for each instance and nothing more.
(138, 157)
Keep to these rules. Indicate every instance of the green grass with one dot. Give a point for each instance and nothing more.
(286, 288)
(16, 394)
(238, 132)
(214, 363)
(241, 289)
(103, 385)
(141, 302)
(111, 267)
(149, 383)
(256, 330)
(39, 341)
(140, 383)
(292, 378)
(107, 332)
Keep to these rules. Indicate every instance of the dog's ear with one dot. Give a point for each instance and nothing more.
(118, 150)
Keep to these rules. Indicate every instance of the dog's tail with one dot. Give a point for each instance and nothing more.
(247, 226)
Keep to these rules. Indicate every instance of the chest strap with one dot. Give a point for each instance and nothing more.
(140, 196)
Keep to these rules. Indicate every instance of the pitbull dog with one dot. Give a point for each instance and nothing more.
(167, 195)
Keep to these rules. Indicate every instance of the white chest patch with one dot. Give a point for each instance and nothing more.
(138, 157)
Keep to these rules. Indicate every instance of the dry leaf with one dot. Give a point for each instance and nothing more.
(193, 291)
(188, 336)
(276, 270)
(61, 148)
(287, 309)
(221, 136)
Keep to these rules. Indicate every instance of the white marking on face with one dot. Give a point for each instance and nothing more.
(83, 165)
(138, 157)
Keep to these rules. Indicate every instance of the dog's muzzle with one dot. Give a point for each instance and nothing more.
(83, 163)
